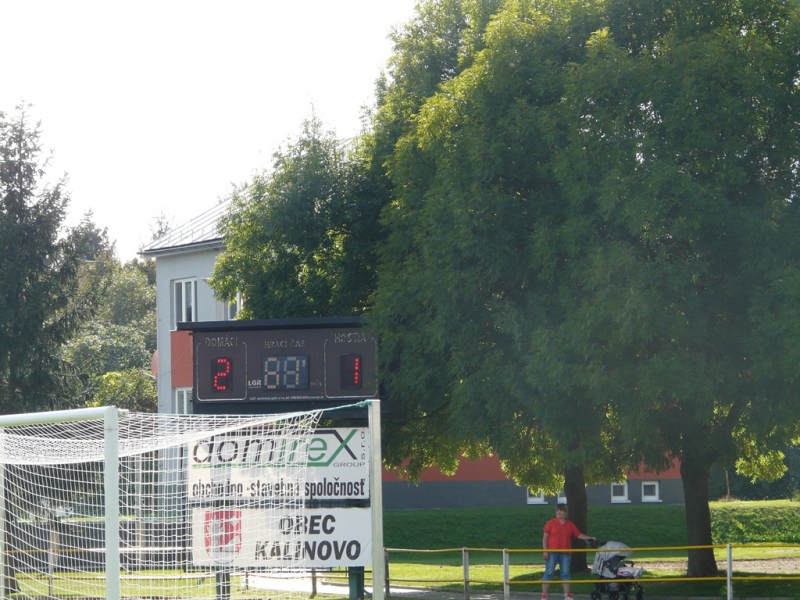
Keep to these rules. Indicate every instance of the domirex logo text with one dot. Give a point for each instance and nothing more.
(257, 464)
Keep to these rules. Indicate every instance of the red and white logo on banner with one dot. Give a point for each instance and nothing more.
(223, 534)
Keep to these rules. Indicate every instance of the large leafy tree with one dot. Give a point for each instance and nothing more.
(589, 258)
(301, 239)
(47, 288)
(591, 254)
(681, 170)
(465, 274)
(591, 249)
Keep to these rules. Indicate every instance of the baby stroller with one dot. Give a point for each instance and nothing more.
(610, 563)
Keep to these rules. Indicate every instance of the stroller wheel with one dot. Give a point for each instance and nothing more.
(613, 596)
(639, 595)
(624, 595)
(596, 595)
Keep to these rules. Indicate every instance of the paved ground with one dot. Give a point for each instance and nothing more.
(337, 590)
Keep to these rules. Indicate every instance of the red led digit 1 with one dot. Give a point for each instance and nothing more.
(350, 372)
(221, 379)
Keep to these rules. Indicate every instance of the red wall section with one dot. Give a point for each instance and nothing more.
(674, 472)
(488, 469)
(485, 469)
(181, 358)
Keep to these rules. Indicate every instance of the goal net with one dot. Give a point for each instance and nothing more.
(100, 503)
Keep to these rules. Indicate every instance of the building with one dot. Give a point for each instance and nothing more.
(185, 259)
(483, 483)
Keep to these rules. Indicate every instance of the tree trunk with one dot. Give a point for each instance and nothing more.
(695, 474)
(727, 486)
(575, 491)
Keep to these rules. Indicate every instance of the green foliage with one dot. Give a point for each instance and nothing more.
(300, 241)
(462, 274)
(130, 301)
(113, 352)
(132, 389)
(754, 522)
(103, 347)
(744, 487)
(591, 253)
(122, 335)
(131, 296)
(47, 290)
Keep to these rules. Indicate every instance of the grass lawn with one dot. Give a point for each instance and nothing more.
(758, 530)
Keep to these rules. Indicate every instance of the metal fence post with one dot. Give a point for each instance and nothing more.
(506, 587)
(730, 573)
(465, 562)
(386, 573)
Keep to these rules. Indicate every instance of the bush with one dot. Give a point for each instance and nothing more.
(753, 522)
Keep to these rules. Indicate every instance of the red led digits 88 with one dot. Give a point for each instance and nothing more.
(350, 372)
(221, 374)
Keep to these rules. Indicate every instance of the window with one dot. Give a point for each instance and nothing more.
(650, 491)
(536, 497)
(561, 498)
(183, 401)
(184, 301)
(619, 492)
(227, 311)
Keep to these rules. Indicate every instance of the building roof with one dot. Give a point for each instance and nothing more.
(202, 231)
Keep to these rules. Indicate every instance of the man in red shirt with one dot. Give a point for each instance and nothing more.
(558, 534)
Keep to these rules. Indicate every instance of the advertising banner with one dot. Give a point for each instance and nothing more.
(250, 538)
(256, 465)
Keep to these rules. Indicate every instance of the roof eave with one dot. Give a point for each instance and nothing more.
(183, 249)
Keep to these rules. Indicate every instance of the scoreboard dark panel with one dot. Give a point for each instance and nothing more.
(285, 365)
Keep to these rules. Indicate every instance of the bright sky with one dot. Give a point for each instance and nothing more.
(159, 106)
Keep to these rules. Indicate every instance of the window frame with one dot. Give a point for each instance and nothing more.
(649, 497)
(537, 498)
(180, 307)
(186, 393)
(625, 498)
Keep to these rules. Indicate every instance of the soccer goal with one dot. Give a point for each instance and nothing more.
(101, 503)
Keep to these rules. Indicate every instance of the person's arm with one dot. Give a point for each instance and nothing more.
(545, 537)
(583, 536)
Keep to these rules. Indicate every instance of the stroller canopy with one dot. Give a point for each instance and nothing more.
(604, 556)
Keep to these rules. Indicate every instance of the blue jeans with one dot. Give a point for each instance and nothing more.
(563, 560)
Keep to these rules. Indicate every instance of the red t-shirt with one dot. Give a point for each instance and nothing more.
(561, 534)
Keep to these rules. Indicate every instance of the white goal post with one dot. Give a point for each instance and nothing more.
(95, 503)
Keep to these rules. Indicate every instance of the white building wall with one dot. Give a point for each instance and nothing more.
(198, 264)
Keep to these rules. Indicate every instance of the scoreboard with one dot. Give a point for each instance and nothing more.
(283, 361)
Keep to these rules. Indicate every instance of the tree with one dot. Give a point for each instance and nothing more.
(102, 347)
(113, 352)
(680, 166)
(590, 257)
(596, 235)
(300, 240)
(47, 290)
(464, 276)
(132, 390)
(130, 301)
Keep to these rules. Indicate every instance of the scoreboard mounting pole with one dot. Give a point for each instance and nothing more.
(376, 501)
